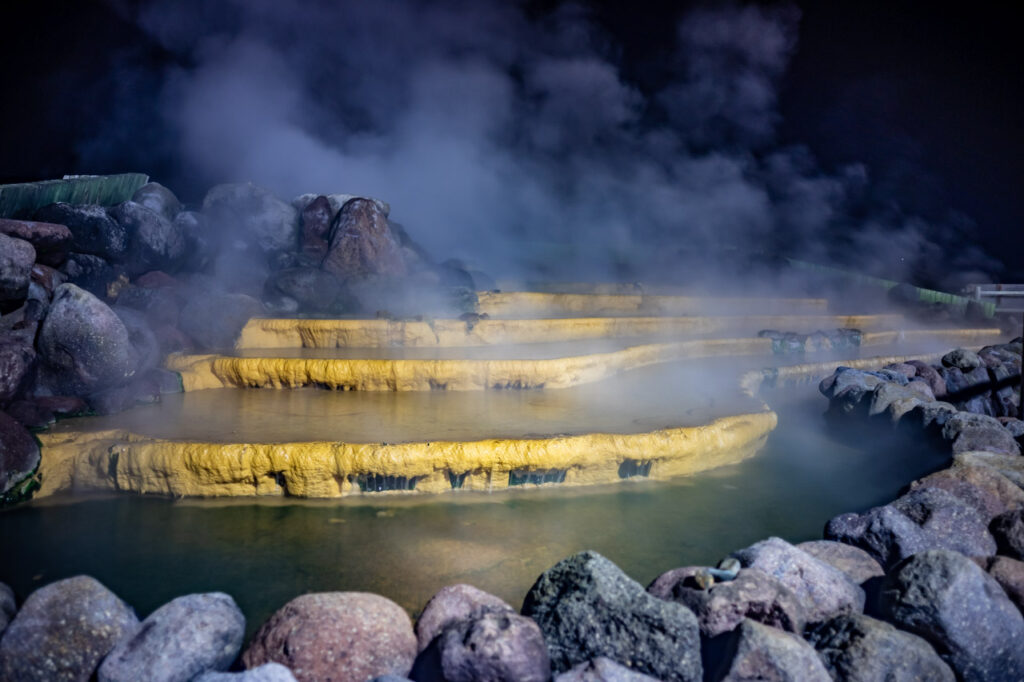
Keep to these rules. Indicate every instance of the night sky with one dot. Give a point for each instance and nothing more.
(926, 100)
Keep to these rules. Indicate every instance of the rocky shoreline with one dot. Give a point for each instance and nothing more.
(927, 587)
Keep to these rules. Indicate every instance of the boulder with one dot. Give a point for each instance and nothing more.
(962, 611)
(757, 652)
(925, 518)
(185, 637)
(93, 231)
(50, 241)
(930, 417)
(268, 672)
(8, 607)
(361, 244)
(1009, 573)
(214, 321)
(316, 227)
(1010, 466)
(253, 214)
(496, 645)
(1008, 530)
(91, 273)
(85, 343)
(823, 590)
(452, 604)
(156, 242)
(199, 246)
(335, 202)
(19, 456)
(988, 438)
(986, 490)
(314, 290)
(906, 369)
(931, 376)
(47, 277)
(955, 381)
(857, 648)
(141, 336)
(16, 259)
(63, 631)
(853, 561)
(342, 636)
(963, 359)
(587, 607)
(17, 367)
(602, 670)
(751, 594)
(158, 199)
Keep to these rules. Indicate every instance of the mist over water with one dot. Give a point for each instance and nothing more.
(511, 137)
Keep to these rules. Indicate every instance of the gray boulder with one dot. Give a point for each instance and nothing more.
(925, 518)
(823, 590)
(93, 230)
(856, 648)
(19, 456)
(990, 438)
(1010, 466)
(498, 646)
(757, 652)
(156, 243)
(950, 601)
(1008, 531)
(587, 607)
(930, 417)
(85, 343)
(931, 376)
(51, 242)
(853, 561)
(983, 488)
(1009, 573)
(602, 670)
(92, 273)
(340, 636)
(16, 259)
(8, 607)
(452, 604)
(268, 672)
(253, 214)
(963, 359)
(362, 245)
(158, 199)
(215, 320)
(63, 631)
(17, 367)
(751, 594)
(183, 638)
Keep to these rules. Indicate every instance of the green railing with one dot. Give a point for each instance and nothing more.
(21, 200)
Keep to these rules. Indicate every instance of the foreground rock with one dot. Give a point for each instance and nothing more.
(19, 456)
(159, 199)
(341, 636)
(188, 636)
(857, 648)
(17, 367)
(602, 670)
(752, 594)
(853, 561)
(156, 242)
(93, 231)
(452, 604)
(587, 608)
(50, 241)
(16, 259)
(950, 601)
(492, 646)
(823, 590)
(84, 343)
(361, 243)
(1008, 531)
(63, 631)
(986, 490)
(268, 672)
(757, 652)
(925, 518)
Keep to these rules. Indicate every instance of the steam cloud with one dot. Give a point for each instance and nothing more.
(497, 133)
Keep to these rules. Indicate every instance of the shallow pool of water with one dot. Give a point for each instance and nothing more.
(264, 553)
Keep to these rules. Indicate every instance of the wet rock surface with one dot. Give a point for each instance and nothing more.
(858, 648)
(344, 636)
(587, 607)
(63, 631)
(186, 637)
(452, 604)
(948, 600)
(758, 652)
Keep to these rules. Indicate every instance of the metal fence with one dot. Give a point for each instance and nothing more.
(1008, 298)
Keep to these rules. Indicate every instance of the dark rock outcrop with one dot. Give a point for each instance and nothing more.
(158, 199)
(63, 631)
(587, 607)
(156, 243)
(361, 244)
(316, 227)
(93, 231)
(342, 636)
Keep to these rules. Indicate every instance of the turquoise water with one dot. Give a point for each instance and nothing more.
(149, 550)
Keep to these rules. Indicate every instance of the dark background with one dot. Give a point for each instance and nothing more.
(927, 98)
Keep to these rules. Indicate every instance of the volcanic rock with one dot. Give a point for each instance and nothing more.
(602, 670)
(342, 636)
(931, 376)
(16, 259)
(85, 343)
(268, 672)
(1010, 466)
(757, 652)
(91, 273)
(823, 590)
(316, 227)
(988, 438)
(986, 490)
(156, 242)
(1008, 531)
(215, 320)
(63, 631)
(925, 518)
(857, 648)
(361, 243)
(51, 242)
(253, 214)
(853, 561)
(158, 199)
(930, 417)
(19, 454)
(496, 645)
(183, 638)
(17, 367)
(452, 604)
(587, 607)
(751, 594)
(313, 289)
(7, 607)
(93, 231)
(963, 359)
(950, 601)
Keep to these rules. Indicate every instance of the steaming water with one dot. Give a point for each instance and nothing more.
(264, 553)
